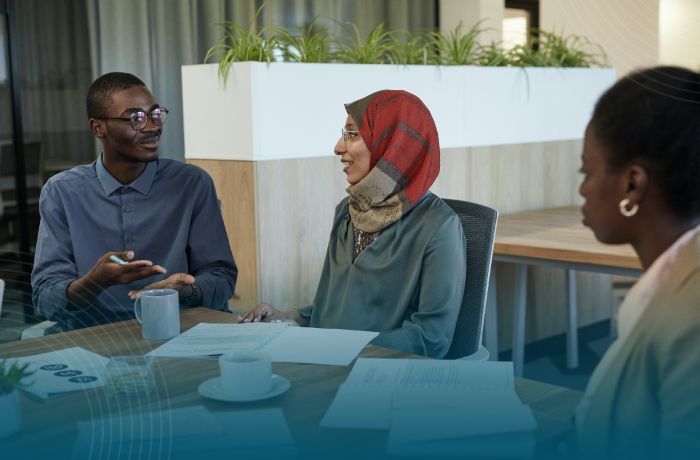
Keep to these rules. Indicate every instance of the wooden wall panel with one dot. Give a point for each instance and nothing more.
(234, 181)
(296, 203)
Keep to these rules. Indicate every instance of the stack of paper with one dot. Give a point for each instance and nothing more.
(436, 407)
(187, 432)
(63, 371)
(284, 342)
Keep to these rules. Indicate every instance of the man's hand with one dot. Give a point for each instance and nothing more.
(181, 282)
(83, 291)
(107, 273)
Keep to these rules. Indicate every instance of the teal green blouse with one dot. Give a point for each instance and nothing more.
(407, 284)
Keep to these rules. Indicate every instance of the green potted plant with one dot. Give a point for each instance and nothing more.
(11, 376)
(478, 94)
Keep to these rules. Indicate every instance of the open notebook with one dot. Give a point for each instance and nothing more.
(282, 341)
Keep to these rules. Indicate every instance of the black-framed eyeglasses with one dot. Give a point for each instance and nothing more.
(139, 118)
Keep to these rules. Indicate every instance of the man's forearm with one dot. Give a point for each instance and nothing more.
(83, 291)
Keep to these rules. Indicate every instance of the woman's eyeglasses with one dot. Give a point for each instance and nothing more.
(139, 118)
(348, 135)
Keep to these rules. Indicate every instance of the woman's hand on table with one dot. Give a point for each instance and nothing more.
(268, 314)
(262, 312)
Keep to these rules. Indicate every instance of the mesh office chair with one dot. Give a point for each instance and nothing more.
(479, 224)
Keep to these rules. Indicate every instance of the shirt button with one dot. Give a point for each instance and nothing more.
(127, 209)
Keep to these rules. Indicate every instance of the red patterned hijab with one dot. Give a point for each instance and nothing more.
(405, 157)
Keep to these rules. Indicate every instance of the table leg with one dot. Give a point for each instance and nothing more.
(491, 318)
(519, 314)
(571, 321)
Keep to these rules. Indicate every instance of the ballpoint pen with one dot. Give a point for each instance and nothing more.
(116, 259)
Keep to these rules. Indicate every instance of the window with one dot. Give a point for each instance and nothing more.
(519, 19)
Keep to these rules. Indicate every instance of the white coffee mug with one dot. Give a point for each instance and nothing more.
(158, 311)
(246, 373)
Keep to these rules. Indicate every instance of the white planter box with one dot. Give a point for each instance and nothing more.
(290, 110)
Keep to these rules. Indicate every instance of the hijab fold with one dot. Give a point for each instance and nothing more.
(405, 157)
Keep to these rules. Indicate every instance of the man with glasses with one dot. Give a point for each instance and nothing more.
(129, 221)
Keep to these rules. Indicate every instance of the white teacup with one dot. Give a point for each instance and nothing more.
(246, 373)
(158, 311)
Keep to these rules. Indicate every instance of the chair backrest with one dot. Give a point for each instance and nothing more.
(479, 225)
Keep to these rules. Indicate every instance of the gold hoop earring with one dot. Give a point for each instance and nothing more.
(628, 212)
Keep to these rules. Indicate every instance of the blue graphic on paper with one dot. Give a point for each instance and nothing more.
(53, 367)
(68, 373)
(82, 379)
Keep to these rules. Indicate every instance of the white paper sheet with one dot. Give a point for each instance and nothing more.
(318, 346)
(427, 415)
(284, 342)
(207, 340)
(376, 388)
(63, 371)
(409, 374)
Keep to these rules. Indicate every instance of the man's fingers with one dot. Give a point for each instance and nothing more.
(124, 255)
(139, 263)
(137, 273)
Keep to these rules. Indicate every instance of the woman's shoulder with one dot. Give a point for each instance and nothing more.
(431, 208)
(674, 320)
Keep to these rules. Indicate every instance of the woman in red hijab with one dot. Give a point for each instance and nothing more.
(396, 256)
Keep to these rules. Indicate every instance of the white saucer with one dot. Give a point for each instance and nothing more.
(213, 389)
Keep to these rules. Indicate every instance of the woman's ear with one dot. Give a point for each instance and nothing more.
(637, 182)
(97, 128)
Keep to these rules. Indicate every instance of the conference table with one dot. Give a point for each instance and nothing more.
(553, 237)
(50, 427)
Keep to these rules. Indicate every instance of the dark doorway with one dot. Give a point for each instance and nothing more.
(45, 69)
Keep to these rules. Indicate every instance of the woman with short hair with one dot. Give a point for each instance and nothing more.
(641, 166)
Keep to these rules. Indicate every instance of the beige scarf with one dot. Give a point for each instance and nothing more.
(373, 204)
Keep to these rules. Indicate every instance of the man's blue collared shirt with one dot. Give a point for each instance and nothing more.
(169, 215)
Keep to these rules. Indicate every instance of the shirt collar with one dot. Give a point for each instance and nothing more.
(141, 184)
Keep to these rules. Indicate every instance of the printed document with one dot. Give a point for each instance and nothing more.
(392, 393)
(284, 342)
(63, 371)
